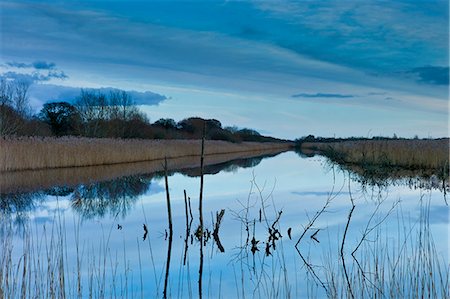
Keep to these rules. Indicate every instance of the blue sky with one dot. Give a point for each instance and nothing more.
(284, 68)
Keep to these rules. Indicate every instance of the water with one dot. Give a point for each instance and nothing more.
(89, 239)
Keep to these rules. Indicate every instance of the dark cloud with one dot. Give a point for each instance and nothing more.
(432, 74)
(140, 98)
(43, 93)
(38, 65)
(18, 64)
(322, 95)
(43, 65)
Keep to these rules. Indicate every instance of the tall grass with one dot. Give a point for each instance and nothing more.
(44, 269)
(35, 180)
(40, 153)
(408, 266)
(411, 154)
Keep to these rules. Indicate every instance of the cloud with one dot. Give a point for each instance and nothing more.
(56, 74)
(140, 98)
(43, 93)
(29, 78)
(322, 95)
(34, 77)
(320, 47)
(38, 65)
(376, 93)
(37, 71)
(376, 36)
(18, 64)
(432, 74)
(43, 65)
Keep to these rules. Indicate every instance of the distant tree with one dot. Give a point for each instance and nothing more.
(62, 117)
(166, 123)
(232, 129)
(213, 124)
(309, 138)
(249, 132)
(191, 125)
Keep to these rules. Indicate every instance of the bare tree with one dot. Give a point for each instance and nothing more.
(21, 104)
(14, 107)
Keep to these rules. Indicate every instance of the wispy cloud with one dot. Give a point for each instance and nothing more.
(18, 64)
(37, 71)
(259, 55)
(38, 65)
(377, 36)
(34, 77)
(322, 95)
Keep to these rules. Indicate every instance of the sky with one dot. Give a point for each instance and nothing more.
(285, 68)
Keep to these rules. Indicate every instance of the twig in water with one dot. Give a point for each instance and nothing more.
(200, 209)
(343, 241)
(215, 233)
(145, 232)
(169, 215)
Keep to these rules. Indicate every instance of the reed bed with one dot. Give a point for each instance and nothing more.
(42, 153)
(35, 180)
(411, 154)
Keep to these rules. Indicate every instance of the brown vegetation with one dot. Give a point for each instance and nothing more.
(34, 180)
(409, 154)
(41, 153)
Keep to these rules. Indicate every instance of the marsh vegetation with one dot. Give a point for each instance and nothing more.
(289, 227)
(414, 154)
(43, 153)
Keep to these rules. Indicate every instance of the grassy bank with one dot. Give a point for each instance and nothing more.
(408, 154)
(43, 153)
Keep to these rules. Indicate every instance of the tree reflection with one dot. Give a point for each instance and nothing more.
(114, 197)
(383, 175)
(229, 166)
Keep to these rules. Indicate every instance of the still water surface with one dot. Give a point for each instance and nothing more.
(289, 230)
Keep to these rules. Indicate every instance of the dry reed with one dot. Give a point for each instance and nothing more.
(42, 153)
(35, 180)
(412, 154)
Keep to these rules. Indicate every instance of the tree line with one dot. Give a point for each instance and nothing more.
(104, 115)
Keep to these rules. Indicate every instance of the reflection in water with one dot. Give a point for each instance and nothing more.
(334, 239)
(229, 166)
(114, 197)
(18, 205)
(384, 175)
